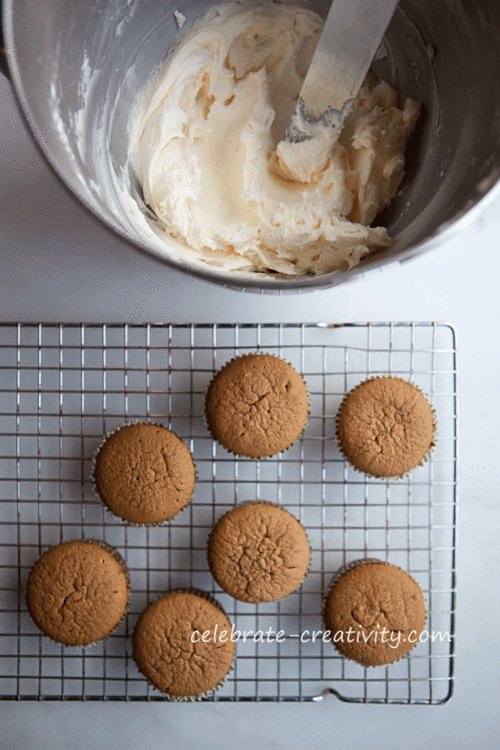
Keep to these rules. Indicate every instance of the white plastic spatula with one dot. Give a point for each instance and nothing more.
(347, 46)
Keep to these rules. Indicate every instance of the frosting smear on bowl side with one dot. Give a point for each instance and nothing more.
(203, 141)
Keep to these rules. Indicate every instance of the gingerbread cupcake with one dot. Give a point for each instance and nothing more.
(258, 552)
(144, 473)
(77, 593)
(183, 645)
(256, 406)
(385, 427)
(375, 612)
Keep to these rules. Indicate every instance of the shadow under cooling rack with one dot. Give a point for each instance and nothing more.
(62, 387)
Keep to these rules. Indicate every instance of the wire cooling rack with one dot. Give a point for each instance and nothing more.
(62, 387)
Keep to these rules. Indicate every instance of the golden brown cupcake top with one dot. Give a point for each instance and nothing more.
(379, 610)
(385, 427)
(258, 552)
(77, 592)
(256, 406)
(182, 644)
(144, 473)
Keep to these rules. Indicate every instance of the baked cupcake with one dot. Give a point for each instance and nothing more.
(256, 405)
(183, 645)
(77, 593)
(258, 552)
(385, 427)
(144, 473)
(375, 612)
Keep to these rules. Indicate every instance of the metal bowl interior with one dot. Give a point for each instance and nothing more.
(77, 67)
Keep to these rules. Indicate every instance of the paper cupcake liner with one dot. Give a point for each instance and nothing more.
(119, 559)
(206, 693)
(243, 455)
(275, 505)
(336, 576)
(424, 459)
(108, 510)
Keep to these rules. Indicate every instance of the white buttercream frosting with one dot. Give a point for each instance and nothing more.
(203, 140)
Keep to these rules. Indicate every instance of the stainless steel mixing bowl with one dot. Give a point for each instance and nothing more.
(77, 66)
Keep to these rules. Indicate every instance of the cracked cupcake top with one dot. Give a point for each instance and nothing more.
(258, 552)
(375, 612)
(77, 592)
(385, 427)
(182, 644)
(144, 473)
(256, 406)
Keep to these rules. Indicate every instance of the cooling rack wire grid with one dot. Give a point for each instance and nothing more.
(62, 387)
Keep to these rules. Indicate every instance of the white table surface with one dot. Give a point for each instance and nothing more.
(57, 264)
